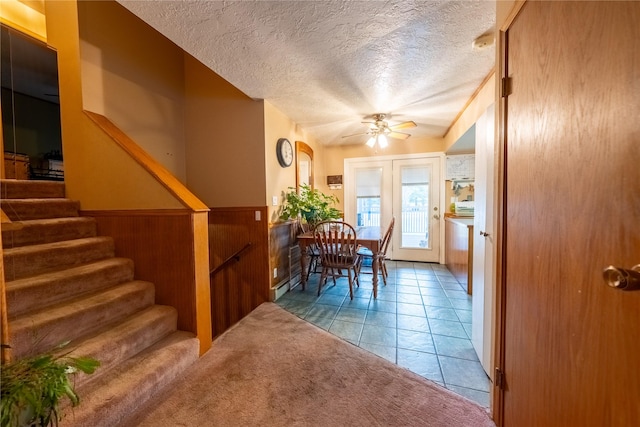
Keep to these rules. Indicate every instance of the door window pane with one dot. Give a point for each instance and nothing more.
(415, 207)
(368, 189)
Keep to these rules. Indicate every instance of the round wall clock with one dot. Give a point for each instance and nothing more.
(284, 151)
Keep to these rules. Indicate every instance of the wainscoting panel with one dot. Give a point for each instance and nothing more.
(282, 236)
(242, 283)
(167, 252)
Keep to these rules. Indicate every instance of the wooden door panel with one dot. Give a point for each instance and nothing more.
(572, 344)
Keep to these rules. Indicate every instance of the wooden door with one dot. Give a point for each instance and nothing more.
(572, 193)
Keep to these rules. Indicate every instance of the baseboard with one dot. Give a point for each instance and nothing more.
(284, 287)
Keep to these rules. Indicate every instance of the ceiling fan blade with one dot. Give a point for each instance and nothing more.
(403, 125)
(356, 134)
(398, 135)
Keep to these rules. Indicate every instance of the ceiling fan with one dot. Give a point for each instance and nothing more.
(379, 130)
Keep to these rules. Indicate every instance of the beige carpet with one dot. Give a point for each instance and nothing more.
(274, 369)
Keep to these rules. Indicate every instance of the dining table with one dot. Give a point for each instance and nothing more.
(369, 237)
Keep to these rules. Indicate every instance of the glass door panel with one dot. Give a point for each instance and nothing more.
(31, 130)
(368, 193)
(416, 204)
(414, 222)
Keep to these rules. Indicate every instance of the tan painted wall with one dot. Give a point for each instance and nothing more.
(224, 140)
(279, 179)
(97, 172)
(134, 76)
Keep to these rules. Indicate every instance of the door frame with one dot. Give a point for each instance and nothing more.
(349, 207)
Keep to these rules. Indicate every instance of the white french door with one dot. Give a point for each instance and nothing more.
(416, 205)
(407, 188)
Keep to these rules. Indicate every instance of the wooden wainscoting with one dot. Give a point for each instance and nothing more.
(282, 236)
(243, 284)
(167, 249)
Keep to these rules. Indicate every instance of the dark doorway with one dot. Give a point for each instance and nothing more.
(31, 128)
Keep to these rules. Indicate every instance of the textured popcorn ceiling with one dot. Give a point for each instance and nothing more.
(329, 65)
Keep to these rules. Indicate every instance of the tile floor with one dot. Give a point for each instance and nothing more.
(421, 320)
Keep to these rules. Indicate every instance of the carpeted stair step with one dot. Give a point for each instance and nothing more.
(25, 189)
(115, 344)
(26, 209)
(46, 329)
(64, 285)
(37, 292)
(35, 259)
(116, 394)
(49, 230)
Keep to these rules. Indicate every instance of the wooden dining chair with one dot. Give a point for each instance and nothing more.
(366, 253)
(337, 242)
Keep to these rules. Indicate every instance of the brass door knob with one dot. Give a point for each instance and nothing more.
(621, 278)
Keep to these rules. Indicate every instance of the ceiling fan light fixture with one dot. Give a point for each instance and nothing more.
(380, 131)
(382, 141)
(372, 141)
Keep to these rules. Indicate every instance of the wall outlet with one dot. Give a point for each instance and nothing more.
(274, 200)
(258, 216)
(275, 273)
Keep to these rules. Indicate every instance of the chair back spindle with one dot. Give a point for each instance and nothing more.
(338, 243)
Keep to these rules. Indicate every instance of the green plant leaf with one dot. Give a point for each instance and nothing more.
(33, 387)
(86, 364)
(309, 204)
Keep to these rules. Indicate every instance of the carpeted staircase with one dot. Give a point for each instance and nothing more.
(64, 283)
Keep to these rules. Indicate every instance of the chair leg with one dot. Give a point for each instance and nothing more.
(323, 277)
(383, 269)
(311, 261)
(355, 271)
(384, 266)
(349, 273)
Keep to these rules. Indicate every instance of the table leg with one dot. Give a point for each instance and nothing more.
(304, 264)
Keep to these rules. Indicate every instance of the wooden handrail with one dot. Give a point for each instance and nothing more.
(235, 256)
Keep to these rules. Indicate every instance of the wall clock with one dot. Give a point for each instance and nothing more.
(284, 151)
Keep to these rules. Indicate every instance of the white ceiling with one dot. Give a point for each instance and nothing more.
(329, 65)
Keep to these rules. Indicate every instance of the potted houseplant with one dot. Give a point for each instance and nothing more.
(309, 205)
(34, 387)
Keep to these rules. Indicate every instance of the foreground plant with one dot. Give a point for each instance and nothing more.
(34, 387)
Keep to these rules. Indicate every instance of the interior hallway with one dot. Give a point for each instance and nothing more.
(421, 320)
